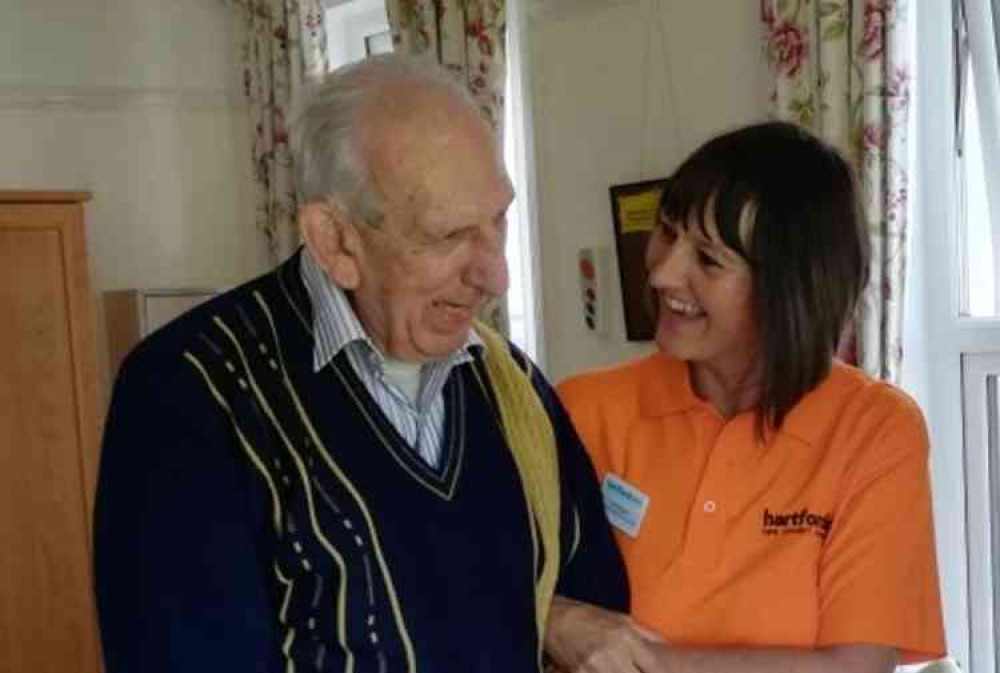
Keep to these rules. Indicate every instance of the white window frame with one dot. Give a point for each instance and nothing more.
(348, 24)
(980, 374)
(520, 130)
(942, 338)
(986, 79)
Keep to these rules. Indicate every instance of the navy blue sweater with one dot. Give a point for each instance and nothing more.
(255, 516)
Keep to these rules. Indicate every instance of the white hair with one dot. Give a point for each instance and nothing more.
(326, 132)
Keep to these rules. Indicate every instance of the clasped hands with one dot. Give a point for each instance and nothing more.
(583, 638)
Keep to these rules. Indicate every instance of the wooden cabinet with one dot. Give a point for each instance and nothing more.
(50, 406)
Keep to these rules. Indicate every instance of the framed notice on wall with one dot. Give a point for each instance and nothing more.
(634, 212)
(378, 43)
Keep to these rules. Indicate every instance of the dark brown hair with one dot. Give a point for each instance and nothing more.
(807, 246)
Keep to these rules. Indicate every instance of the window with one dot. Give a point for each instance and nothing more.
(356, 28)
(980, 296)
(522, 240)
(981, 408)
(953, 343)
(978, 145)
(978, 217)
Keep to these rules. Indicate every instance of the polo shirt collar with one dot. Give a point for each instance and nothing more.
(814, 414)
(665, 388)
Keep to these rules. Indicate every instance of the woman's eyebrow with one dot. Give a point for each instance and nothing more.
(714, 245)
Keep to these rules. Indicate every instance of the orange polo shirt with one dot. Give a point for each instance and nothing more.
(822, 537)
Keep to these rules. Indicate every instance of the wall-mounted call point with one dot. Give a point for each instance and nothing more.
(592, 268)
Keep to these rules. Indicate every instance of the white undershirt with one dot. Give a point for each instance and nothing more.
(405, 376)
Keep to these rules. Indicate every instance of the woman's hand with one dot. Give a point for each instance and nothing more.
(583, 638)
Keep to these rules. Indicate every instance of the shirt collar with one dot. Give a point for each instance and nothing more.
(665, 388)
(336, 325)
(813, 415)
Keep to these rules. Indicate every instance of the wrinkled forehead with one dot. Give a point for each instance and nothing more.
(442, 159)
(403, 119)
(463, 191)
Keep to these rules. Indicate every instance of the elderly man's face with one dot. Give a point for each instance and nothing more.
(438, 256)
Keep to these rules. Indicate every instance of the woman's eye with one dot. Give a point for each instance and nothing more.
(707, 260)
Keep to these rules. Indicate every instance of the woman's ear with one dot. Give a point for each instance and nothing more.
(329, 235)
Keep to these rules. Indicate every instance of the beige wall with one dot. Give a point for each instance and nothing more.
(622, 90)
(138, 102)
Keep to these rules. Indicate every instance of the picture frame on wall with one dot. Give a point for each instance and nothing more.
(378, 43)
(634, 213)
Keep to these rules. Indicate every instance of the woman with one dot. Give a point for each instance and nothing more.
(771, 503)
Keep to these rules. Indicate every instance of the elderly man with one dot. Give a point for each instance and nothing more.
(334, 467)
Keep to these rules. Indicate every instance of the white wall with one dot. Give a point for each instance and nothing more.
(137, 101)
(622, 91)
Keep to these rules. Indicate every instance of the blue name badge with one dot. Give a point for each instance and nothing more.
(624, 504)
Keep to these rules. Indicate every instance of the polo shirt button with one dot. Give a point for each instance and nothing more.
(709, 506)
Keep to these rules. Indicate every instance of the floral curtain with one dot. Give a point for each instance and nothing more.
(284, 46)
(841, 69)
(468, 37)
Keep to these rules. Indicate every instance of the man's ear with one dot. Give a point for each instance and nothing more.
(329, 234)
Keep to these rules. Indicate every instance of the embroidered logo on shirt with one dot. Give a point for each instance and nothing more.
(802, 521)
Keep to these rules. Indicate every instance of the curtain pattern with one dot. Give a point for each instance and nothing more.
(841, 69)
(468, 37)
(284, 47)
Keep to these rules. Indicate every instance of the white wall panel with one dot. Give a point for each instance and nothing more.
(622, 91)
(137, 101)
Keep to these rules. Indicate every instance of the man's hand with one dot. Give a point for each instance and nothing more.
(583, 638)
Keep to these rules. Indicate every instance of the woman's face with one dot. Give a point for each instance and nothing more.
(705, 299)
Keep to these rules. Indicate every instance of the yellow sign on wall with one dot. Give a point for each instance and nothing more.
(637, 212)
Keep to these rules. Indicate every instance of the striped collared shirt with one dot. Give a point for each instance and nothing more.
(336, 327)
